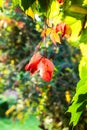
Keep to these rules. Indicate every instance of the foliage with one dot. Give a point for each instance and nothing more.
(54, 26)
(79, 99)
(70, 9)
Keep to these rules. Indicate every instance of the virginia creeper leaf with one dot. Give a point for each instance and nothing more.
(78, 104)
(83, 37)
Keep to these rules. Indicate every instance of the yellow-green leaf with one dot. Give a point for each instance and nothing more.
(1, 3)
(30, 12)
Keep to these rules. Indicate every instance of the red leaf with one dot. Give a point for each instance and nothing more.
(33, 64)
(61, 1)
(63, 29)
(41, 64)
(46, 69)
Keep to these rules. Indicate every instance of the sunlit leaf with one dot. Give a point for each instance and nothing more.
(74, 114)
(78, 105)
(46, 32)
(30, 12)
(83, 48)
(83, 68)
(16, 2)
(1, 3)
(54, 12)
(85, 3)
(83, 37)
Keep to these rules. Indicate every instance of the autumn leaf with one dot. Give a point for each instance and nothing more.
(54, 37)
(46, 69)
(52, 33)
(32, 66)
(64, 29)
(46, 32)
(40, 64)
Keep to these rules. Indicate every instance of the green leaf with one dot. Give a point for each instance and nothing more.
(16, 2)
(77, 2)
(85, 3)
(82, 106)
(83, 37)
(27, 3)
(82, 97)
(83, 68)
(54, 12)
(81, 88)
(74, 114)
(79, 103)
(44, 4)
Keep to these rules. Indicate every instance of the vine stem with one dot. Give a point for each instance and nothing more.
(83, 25)
(44, 39)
